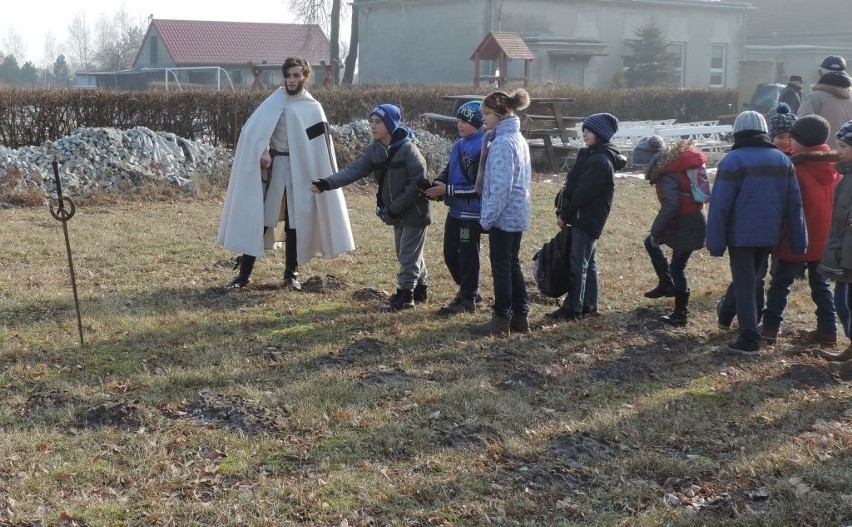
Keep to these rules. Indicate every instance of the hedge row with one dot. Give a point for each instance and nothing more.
(30, 117)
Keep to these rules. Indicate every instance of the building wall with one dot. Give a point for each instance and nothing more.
(143, 59)
(432, 40)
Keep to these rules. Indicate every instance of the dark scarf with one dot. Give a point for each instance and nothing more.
(752, 138)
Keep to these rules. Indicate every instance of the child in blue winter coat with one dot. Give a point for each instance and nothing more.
(504, 179)
(456, 186)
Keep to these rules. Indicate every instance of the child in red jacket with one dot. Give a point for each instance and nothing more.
(814, 162)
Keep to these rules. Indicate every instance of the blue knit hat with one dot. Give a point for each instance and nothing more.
(471, 112)
(389, 114)
(603, 125)
(781, 121)
(750, 121)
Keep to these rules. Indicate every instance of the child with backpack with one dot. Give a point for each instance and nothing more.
(680, 176)
(400, 170)
(462, 232)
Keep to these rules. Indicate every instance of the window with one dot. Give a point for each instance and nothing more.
(717, 65)
(154, 45)
(678, 49)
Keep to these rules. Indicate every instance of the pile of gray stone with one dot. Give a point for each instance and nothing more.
(112, 160)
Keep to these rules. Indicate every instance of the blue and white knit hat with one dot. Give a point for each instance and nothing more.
(603, 125)
(750, 121)
(389, 114)
(845, 133)
(781, 121)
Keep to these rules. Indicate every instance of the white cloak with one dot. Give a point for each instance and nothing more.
(320, 220)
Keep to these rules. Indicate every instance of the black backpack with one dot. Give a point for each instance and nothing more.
(550, 265)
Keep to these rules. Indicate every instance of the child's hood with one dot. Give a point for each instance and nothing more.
(400, 136)
(820, 161)
(677, 157)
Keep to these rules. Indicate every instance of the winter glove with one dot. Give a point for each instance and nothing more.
(380, 212)
(321, 185)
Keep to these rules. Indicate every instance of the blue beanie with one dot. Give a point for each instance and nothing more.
(471, 112)
(603, 125)
(389, 114)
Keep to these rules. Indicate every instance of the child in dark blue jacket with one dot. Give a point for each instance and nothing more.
(462, 231)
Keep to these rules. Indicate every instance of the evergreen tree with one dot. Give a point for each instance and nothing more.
(60, 71)
(10, 72)
(651, 62)
(29, 75)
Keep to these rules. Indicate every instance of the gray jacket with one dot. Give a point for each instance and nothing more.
(399, 192)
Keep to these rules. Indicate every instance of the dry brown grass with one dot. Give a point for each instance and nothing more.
(266, 407)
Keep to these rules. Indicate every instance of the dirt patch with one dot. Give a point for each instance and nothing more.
(541, 476)
(48, 400)
(319, 284)
(370, 294)
(621, 371)
(808, 376)
(395, 378)
(580, 447)
(235, 413)
(129, 415)
(353, 353)
(524, 380)
(465, 436)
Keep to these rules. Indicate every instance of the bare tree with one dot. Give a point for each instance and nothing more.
(50, 51)
(80, 43)
(13, 43)
(117, 39)
(328, 14)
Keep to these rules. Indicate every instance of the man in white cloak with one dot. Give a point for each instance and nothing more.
(284, 144)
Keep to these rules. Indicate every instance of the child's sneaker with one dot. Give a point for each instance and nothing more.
(743, 346)
(459, 304)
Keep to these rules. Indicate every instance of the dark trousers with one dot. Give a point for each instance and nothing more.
(746, 265)
(510, 291)
(843, 305)
(677, 268)
(291, 261)
(728, 304)
(584, 273)
(784, 273)
(461, 254)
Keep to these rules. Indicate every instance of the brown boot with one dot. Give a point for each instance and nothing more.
(520, 324)
(498, 326)
(842, 369)
(843, 356)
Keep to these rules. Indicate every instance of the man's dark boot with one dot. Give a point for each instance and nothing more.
(291, 262)
(246, 265)
(665, 285)
(403, 299)
(421, 292)
(497, 326)
(680, 315)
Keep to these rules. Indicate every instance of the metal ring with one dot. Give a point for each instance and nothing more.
(66, 210)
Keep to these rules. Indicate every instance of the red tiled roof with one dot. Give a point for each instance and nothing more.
(198, 42)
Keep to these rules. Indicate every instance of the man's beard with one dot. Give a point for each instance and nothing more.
(298, 89)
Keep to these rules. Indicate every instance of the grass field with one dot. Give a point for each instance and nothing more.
(266, 407)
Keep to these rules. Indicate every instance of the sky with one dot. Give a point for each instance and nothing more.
(33, 20)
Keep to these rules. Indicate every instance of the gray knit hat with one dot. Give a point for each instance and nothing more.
(646, 149)
(750, 121)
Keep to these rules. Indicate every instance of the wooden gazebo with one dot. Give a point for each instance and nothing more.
(501, 46)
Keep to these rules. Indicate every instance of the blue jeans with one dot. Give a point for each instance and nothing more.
(746, 265)
(461, 254)
(678, 266)
(784, 272)
(843, 305)
(584, 273)
(510, 290)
